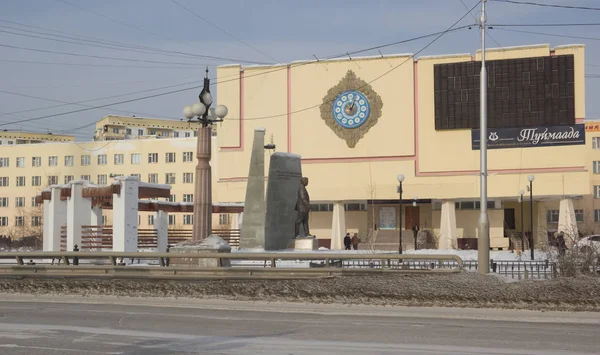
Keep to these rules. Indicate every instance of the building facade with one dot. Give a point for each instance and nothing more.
(359, 123)
(121, 127)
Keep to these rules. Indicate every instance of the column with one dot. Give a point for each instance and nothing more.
(46, 240)
(338, 226)
(54, 219)
(567, 222)
(96, 216)
(78, 214)
(540, 224)
(203, 190)
(161, 224)
(253, 223)
(447, 239)
(125, 215)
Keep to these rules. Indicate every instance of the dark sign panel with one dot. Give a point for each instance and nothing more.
(521, 92)
(526, 137)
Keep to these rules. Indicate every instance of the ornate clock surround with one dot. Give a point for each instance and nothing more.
(351, 120)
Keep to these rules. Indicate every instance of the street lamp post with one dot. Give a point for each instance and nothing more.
(416, 226)
(521, 192)
(400, 179)
(530, 188)
(206, 116)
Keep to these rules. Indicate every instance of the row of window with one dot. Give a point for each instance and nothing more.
(19, 202)
(152, 132)
(552, 216)
(36, 221)
(324, 207)
(102, 159)
(188, 219)
(102, 179)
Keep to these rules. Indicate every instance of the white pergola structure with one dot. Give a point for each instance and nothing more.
(79, 204)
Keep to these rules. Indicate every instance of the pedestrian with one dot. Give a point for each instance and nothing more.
(347, 241)
(355, 241)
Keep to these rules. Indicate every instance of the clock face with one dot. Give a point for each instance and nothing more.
(351, 109)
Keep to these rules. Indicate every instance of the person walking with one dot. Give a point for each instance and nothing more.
(347, 241)
(355, 241)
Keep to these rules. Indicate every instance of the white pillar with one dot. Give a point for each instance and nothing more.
(96, 216)
(78, 214)
(338, 226)
(567, 222)
(46, 240)
(448, 235)
(125, 215)
(240, 220)
(161, 224)
(54, 220)
(540, 224)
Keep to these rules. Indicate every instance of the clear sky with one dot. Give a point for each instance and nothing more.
(235, 31)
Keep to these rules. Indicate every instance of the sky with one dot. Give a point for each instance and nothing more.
(122, 50)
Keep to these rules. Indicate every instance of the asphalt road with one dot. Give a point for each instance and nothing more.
(86, 326)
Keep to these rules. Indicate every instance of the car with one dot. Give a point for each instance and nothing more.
(587, 245)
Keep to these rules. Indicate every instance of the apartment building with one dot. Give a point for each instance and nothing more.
(18, 137)
(120, 127)
(27, 169)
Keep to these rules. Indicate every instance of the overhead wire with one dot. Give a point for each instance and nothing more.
(545, 24)
(99, 65)
(548, 5)
(223, 30)
(549, 34)
(477, 20)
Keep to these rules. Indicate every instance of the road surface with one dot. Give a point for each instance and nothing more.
(90, 326)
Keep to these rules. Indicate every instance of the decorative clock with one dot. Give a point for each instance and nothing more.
(351, 109)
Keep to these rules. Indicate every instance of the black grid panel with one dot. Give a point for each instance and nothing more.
(524, 92)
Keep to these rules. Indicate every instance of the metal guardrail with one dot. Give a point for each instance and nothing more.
(327, 264)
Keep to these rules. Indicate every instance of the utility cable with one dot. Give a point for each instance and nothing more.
(548, 5)
(545, 25)
(548, 34)
(476, 20)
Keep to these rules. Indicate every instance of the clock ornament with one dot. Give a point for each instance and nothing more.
(351, 108)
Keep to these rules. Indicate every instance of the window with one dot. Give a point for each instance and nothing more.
(552, 216)
(152, 158)
(172, 219)
(36, 181)
(579, 216)
(195, 133)
(119, 159)
(69, 178)
(33, 203)
(19, 221)
(150, 219)
(596, 167)
(135, 158)
(3, 201)
(170, 157)
(175, 134)
(20, 162)
(188, 197)
(4, 181)
(223, 219)
(171, 198)
(19, 201)
(4, 162)
(101, 179)
(104, 220)
(53, 161)
(20, 180)
(188, 134)
(139, 176)
(169, 178)
(153, 178)
(151, 132)
(188, 178)
(69, 159)
(128, 131)
(102, 159)
(596, 216)
(596, 191)
(189, 156)
(36, 221)
(355, 207)
(85, 160)
(85, 177)
(53, 180)
(188, 219)
(3, 221)
(115, 129)
(140, 132)
(139, 219)
(36, 161)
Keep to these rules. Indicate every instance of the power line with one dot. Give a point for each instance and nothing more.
(549, 34)
(139, 28)
(545, 25)
(99, 65)
(439, 34)
(476, 20)
(223, 30)
(549, 5)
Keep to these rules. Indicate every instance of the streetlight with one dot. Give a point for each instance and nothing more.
(530, 189)
(521, 192)
(206, 116)
(415, 227)
(400, 179)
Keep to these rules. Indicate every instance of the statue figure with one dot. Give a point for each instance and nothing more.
(303, 207)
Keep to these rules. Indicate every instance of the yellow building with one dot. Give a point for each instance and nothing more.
(27, 169)
(420, 120)
(121, 127)
(18, 137)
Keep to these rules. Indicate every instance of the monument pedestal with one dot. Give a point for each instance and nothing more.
(212, 244)
(305, 243)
